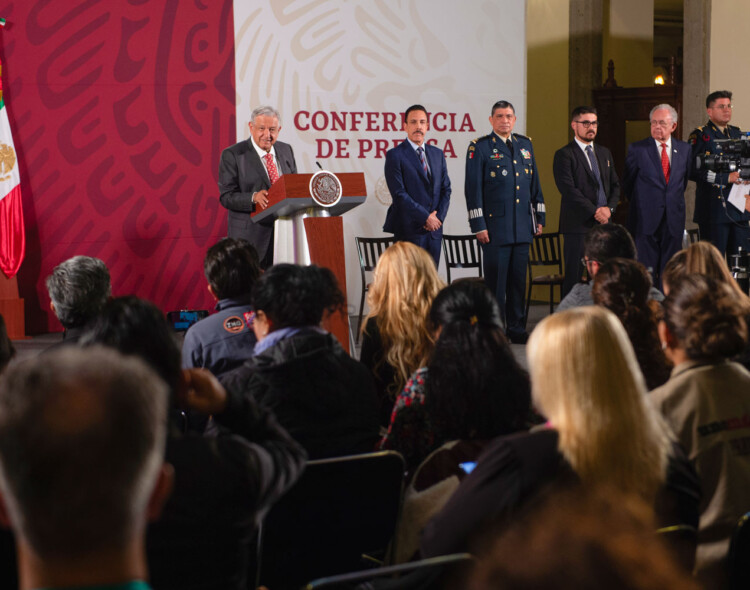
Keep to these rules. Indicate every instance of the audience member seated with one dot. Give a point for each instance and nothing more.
(622, 286)
(705, 259)
(580, 541)
(7, 350)
(601, 431)
(707, 404)
(602, 243)
(395, 338)
(322, 396)
(472, 386)
(78, 289)
(82, 467)
(225, 340)
(223, 485)
(471, 391)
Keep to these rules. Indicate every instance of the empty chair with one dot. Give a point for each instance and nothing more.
(369, 251)
(462, 252)
(339, 510)
(545, 251)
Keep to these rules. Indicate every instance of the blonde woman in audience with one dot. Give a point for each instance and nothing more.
(396, 339)
(601, 432)
(707, 403)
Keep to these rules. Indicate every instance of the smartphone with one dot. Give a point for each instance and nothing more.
(183, 319)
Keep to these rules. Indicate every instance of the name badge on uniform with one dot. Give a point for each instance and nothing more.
(526, 154)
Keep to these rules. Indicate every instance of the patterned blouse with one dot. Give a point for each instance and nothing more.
(411, 431)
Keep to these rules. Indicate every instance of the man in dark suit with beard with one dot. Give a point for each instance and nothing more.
(246, 172)
(586, 178)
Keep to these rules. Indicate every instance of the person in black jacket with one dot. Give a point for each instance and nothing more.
(325, 399)
(223, 485)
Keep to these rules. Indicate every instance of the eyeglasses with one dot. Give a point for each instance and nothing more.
(661, 123)
(588, 124)
(585, 261)
(723, 107)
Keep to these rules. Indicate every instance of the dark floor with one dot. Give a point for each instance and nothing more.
(36, 344)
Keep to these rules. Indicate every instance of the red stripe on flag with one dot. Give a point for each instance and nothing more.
(12, 233)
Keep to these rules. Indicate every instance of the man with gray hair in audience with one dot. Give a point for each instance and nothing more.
(82, 438)
(78, 289)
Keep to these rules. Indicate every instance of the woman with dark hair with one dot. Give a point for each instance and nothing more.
(472, 386)
(471, 391)
(707, 403)
(323, 397)
(622, 286)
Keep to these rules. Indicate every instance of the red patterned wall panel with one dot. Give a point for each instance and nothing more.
(119, 111)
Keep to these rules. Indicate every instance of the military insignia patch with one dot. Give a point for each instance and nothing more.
(526, 154)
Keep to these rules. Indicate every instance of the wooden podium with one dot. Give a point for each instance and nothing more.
(308, 233)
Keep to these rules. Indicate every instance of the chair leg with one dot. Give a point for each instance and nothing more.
(528, 302)
(551, 298)
(361, 308)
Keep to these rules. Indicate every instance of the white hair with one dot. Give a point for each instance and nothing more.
(669, 107)
(265, 111)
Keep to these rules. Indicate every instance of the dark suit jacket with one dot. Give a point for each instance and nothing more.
(650, 195)
(242, 173)
(578, 186)
(414, 197)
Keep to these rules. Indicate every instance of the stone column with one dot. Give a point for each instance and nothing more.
(696, 77)
(585, 50)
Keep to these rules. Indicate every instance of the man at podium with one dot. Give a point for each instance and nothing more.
(246, 172)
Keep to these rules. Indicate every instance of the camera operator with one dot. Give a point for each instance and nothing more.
(720, 222)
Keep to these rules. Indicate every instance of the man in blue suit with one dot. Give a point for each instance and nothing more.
(417, 177)
(656, 173)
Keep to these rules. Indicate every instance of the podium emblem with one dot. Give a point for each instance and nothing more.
(325, 188)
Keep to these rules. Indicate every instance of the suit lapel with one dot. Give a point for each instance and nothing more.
(257, 165)
(413, 157)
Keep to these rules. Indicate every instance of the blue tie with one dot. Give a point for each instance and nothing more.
(420, 151)
(601, 197)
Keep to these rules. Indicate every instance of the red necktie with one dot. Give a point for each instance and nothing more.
(665, 161)
(273, 174)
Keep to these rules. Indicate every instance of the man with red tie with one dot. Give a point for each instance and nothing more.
(656, 173)
(246, 172)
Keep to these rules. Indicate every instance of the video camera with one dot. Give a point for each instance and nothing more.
(734, 156)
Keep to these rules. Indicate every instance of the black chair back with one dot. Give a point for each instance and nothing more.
(462, 252)
(435, 573)
(739, 555)
(369, 251)
(338, 511)
(545, 250)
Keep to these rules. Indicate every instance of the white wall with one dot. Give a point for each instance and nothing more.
(333, 56)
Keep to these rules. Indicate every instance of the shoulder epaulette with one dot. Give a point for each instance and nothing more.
(519, 136)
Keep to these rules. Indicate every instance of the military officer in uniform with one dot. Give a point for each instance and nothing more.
(720, 222)
(506, 210)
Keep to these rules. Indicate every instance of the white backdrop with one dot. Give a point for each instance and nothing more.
(342, 72)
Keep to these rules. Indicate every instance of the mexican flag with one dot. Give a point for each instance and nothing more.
(12, 234)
